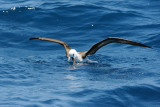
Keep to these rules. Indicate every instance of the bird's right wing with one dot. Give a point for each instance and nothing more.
(66, 46)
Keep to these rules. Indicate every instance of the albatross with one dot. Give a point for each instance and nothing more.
(79, 56)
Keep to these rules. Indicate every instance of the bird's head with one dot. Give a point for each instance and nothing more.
(73, 53)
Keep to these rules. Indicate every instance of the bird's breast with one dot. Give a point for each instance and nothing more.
(78, 58)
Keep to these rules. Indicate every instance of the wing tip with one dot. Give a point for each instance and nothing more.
(33, 38)
(148, 47)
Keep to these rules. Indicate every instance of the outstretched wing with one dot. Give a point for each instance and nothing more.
(109, 40)
(66, 46)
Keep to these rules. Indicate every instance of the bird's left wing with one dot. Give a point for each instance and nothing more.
(109, 40)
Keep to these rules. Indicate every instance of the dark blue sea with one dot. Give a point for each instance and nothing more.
(37, 74)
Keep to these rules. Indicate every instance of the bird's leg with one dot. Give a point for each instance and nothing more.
(68, 58)
(74, 61)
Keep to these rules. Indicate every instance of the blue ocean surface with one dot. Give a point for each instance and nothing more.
(37, 74)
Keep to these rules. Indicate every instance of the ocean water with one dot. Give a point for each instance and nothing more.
(37, 74)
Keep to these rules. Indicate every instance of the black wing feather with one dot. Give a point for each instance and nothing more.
(109, 40)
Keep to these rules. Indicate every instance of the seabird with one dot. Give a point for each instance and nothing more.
(79, 56)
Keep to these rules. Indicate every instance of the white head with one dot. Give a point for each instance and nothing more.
(73, 53)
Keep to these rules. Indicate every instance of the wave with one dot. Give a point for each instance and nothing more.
(122, 76)
(130, 96)
(15, 10)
